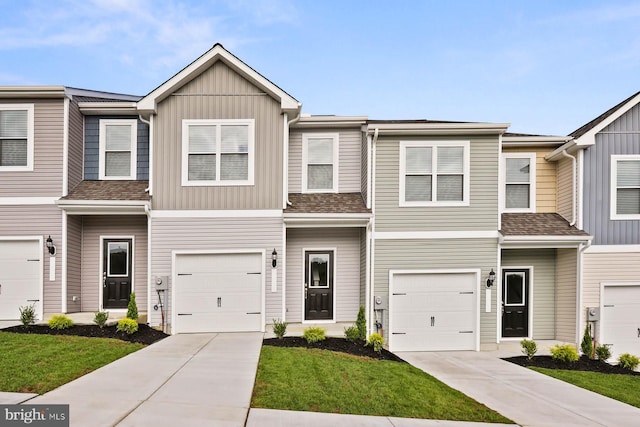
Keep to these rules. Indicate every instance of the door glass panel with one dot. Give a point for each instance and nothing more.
(319, 270)
(118, 259)
(514, 289)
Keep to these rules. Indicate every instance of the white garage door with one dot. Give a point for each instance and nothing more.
(20, 277)
(433, 312)
(218, 293)
(621, 319)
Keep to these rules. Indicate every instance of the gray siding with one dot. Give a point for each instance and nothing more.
(363, 267)
(347, 281)
(364, 170)
(218, 93)
(566, 279)
(543, 285)
(481, 214)
(76, 142)
(74, 263)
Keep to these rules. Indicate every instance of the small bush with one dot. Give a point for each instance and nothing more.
(279, 328)
(127, 325)
(628, 361)
(314, 334)
(564, 353)
(132, 308)
(100, 318)
(352, 334)
(586, 346)
(603, 352)
(60, 321)
(529, 348)
(376, 341)
(361, 324)
(28, 315)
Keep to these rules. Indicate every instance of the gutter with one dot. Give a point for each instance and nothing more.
(149, 189)
(573, 186)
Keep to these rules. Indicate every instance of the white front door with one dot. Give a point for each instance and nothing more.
(20, 277)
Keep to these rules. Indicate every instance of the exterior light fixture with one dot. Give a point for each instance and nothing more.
(274, 258)
(50, 246)
(491, 278)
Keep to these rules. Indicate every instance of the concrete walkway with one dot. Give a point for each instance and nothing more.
(524, 396)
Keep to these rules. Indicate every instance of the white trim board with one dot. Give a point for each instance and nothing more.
(605, 249)
(223, 213)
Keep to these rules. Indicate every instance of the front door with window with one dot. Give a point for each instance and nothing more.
(515, 303)
(318, 285)
(116, 272)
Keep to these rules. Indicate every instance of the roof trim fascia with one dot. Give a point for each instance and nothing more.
(32, 92)
(104, 207)
(436, 128)
(543, 241)
(108, 108)
(589, 137)
(330, 121)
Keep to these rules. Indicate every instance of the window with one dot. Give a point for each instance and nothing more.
(16, 137)
(434, 173)
(118, 143)
(320, 163)
(519, 179)
(625, 187)
(217, 152)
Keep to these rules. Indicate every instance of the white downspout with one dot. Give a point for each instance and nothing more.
(579, 310)
(150, 124)
(372, 159)
(573, 186)
(285, 156)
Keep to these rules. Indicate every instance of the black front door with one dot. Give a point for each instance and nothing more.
(515, 303)
(116, 273)
(318, 285)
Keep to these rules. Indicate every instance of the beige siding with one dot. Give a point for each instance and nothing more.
(543, 285)
(422, 254)
(565, 188)
(218, 93)
(546, 179)
(349, 164)
(347, 279)
(481, 214)
(76, 143)
(39, 220)
(217, 234)
(74, 263)
(112, 226)
(46, 178)
(566, 279)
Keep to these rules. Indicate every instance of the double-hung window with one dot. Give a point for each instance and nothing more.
(16, 137)
(519, 179)
(625, 187)
(320, 163)
(118, 147)
(434, 173)
(217, 152)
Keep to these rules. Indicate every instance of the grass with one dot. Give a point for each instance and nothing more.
(625, 388)
(40, 363)
(323, 381)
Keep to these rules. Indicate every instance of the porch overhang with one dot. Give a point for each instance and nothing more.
(325, 220)
(543, 242)
(104, 207)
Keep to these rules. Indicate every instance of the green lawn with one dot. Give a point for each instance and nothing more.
(625, 388)
(323, 381)
(39, 363)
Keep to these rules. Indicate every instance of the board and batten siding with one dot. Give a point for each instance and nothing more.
(566, 288)
(482, 212)
(347, 278)
(434, 254)
(546, 178)
(76, 142)
(543, 285)
(220, 235)
(74, 263)
(349, 159)
(45, 221)
(48, 133)
(94, 226)
(218, 93)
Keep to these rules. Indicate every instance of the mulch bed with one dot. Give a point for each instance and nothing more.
(583, 364)
(356, 348)
(144, 335)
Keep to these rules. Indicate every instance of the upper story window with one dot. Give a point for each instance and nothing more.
(217, 152)
(320, 163)
(520, 182)
(434, 173)
(625, 187)
(118, 143)
(16, 137)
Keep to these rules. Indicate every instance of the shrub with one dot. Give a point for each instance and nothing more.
(314, 334)
(361, 324)
(603, 352)
(352, 333)
(100, 318)
(529, 348)
(127, 325)
(279, 328)
(586, 346)
(28, 315)
(628, 361)
(376, 341)
(564, 353)
(60, 321)
(132, 308)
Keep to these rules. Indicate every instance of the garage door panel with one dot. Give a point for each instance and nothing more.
(426, 284)
(621, 319)
(20, 276)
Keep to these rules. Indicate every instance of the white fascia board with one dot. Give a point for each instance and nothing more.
(103, 207)
(437, 128)
(222, 213)
(331, 121)
(589, 138)
(108, 108)
(570, 147)
(511, 242)
(326, 220)
(32, 92)
(518, 141)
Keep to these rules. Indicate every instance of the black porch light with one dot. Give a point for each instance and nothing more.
(50, 246)
(491, 278)
(274, 258)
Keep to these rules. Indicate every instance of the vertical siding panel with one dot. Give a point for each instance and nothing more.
(76, 140)
(74, 259)
(566, 288)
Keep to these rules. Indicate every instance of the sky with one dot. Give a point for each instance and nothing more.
(546, 67)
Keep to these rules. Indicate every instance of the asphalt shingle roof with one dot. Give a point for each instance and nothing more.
(327, 203)
(109, 190)
(538, 224)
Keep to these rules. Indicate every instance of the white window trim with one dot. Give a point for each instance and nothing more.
(532, 181)
(30, 139)
(466, 172)
(103, 145)
(305, 160)
(250, 123)
(614, 215)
